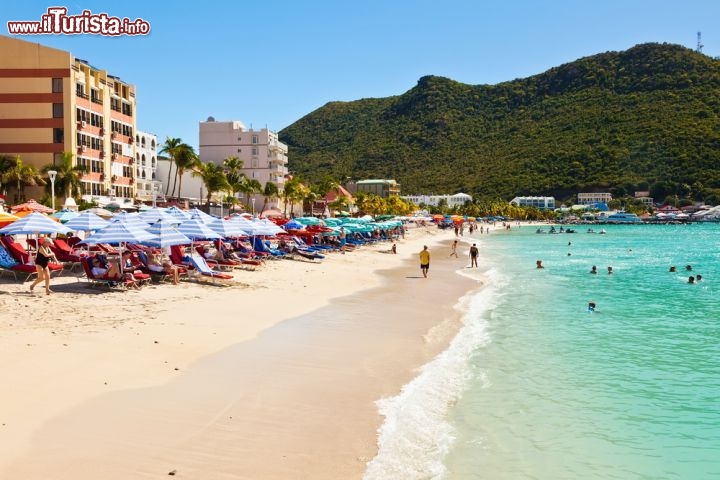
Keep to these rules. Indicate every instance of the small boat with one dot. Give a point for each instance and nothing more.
(602, 231)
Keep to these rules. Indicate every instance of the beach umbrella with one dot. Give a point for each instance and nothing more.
(244, 224)
(118, 233)
(195, 229)
(33, 206)
(165, 235)
(34, 223)
(65, 215)
(7, 218)
(154, 214)
(268, 227)
(179, 214)
(202, 216)
(86, 221)
(226, 228)
(292, 224)
(130, 219)
(101, 212)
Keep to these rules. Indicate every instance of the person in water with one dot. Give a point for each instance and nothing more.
(610, 271)
(673, 269)
(539, 264)
(691, 279)
(591, 307)
(698, 278)
(593, 270)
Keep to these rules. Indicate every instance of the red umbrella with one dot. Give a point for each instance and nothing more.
(33, 206)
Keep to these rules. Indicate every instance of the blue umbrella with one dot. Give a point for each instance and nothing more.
(226, 228)
(294, 225)
(34, 223)
(154, 214)
(204, 217)
(87, 221)
(118, 233)
(131, 220)
(165, 235)
(197, 230)
(65, 215)
(179, 214)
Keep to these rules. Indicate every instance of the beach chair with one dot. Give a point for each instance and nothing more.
(24, 263)
(160, 276)
(94, 281)
(204, 270)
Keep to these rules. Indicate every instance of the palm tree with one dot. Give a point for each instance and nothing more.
(235, 178)
(22, 176)
(69, 176)
(185, 159)
(249, 187)
(213, 176)
(289, 190)
(170, 147)
(270, 192)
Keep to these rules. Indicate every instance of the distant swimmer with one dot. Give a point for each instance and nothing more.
(539, 264)
(591, 307)
(610, 271)
(698, 278)
(691, 279)
(593, 270)
(673, 269)
(688, 268)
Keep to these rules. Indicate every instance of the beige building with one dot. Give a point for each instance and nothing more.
(592, 198)
(264, 156)
(52, 102)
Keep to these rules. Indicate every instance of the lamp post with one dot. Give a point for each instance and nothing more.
(252, 200)
(52, 174)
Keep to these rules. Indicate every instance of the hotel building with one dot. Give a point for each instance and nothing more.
(380, 187)
(542, 203)
(264, 157)
(593, 198)
(52, 102)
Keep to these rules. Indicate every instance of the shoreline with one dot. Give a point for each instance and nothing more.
(373, 279)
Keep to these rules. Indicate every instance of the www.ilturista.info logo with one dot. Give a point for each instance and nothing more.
(57, 21)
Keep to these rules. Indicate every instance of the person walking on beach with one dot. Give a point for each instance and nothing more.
(453, 249)
(473, 256)
(425, 261)
(42, 259)
(343, 239)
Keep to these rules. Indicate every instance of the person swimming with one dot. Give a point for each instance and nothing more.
(591, 307)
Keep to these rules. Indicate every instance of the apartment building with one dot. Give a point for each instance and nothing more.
(146, 162)
(380, 187)
(543, 203)
(52, 102)
(264, 157)
(593, 198)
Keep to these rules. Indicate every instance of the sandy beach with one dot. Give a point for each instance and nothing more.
(273, 377)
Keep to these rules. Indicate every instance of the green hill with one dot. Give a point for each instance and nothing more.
(645, 118)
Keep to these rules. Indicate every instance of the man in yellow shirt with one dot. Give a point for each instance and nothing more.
(425, 261)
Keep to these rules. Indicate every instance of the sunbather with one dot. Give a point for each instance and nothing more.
(109, 271)
(157, 264)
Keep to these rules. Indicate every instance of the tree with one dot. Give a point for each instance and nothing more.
(249, 187)
(69, 176)
(270, 192)
(21, 176)
(235, 178)
(185, 159)
(170, 148)
(213, 177)
(289, 191)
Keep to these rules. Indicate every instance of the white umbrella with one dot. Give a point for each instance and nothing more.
(87, 221)
(154, 214)
(34, 223)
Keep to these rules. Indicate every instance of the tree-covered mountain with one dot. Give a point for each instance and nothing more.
(647, 118)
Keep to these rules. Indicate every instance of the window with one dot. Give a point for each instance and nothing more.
(57, 85)
(95, 96)
(58, 135)
(254, 151)
(58, 110)
(254, 139)
(80, 90)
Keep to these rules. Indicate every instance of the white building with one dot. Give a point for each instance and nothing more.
(457, 200)
(543, 203)
(264, 157)
(593, 198)
(146, 147)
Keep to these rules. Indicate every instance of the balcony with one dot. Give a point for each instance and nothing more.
(277, 159)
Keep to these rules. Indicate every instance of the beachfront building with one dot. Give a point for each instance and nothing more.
(542, 203)
(457, 200)
(53, 102)
(594, 198)
(148, 186)
(645, 198)
(264, 157)
(381, 188)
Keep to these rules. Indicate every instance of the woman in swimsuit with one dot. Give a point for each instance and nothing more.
(42, 259)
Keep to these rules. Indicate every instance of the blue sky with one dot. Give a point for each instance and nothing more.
(269, 63)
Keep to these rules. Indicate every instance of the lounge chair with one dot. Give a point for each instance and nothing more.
(164, 275)
(22, 259)
(204, 270)
(106, 282)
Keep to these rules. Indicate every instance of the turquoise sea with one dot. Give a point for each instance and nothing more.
(536, 387)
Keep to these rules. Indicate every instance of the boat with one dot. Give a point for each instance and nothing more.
(623, 217)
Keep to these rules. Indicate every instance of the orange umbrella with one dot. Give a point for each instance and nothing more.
(32, 206)
(7, 219)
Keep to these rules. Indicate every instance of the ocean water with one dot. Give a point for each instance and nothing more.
(536, 387)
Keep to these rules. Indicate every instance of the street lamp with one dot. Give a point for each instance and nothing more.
(252, 200)
(52, 174)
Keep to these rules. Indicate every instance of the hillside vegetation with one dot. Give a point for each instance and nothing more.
(643, 119)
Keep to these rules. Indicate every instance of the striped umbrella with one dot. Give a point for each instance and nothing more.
(226, 228)
(130, 219)
(34, 223)
(179, 214)
(86, 221)
(165, 235)
(250, 228)
(118, 233)
(7, 218)
(197, 230)
(204, 217)
(154, 214)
